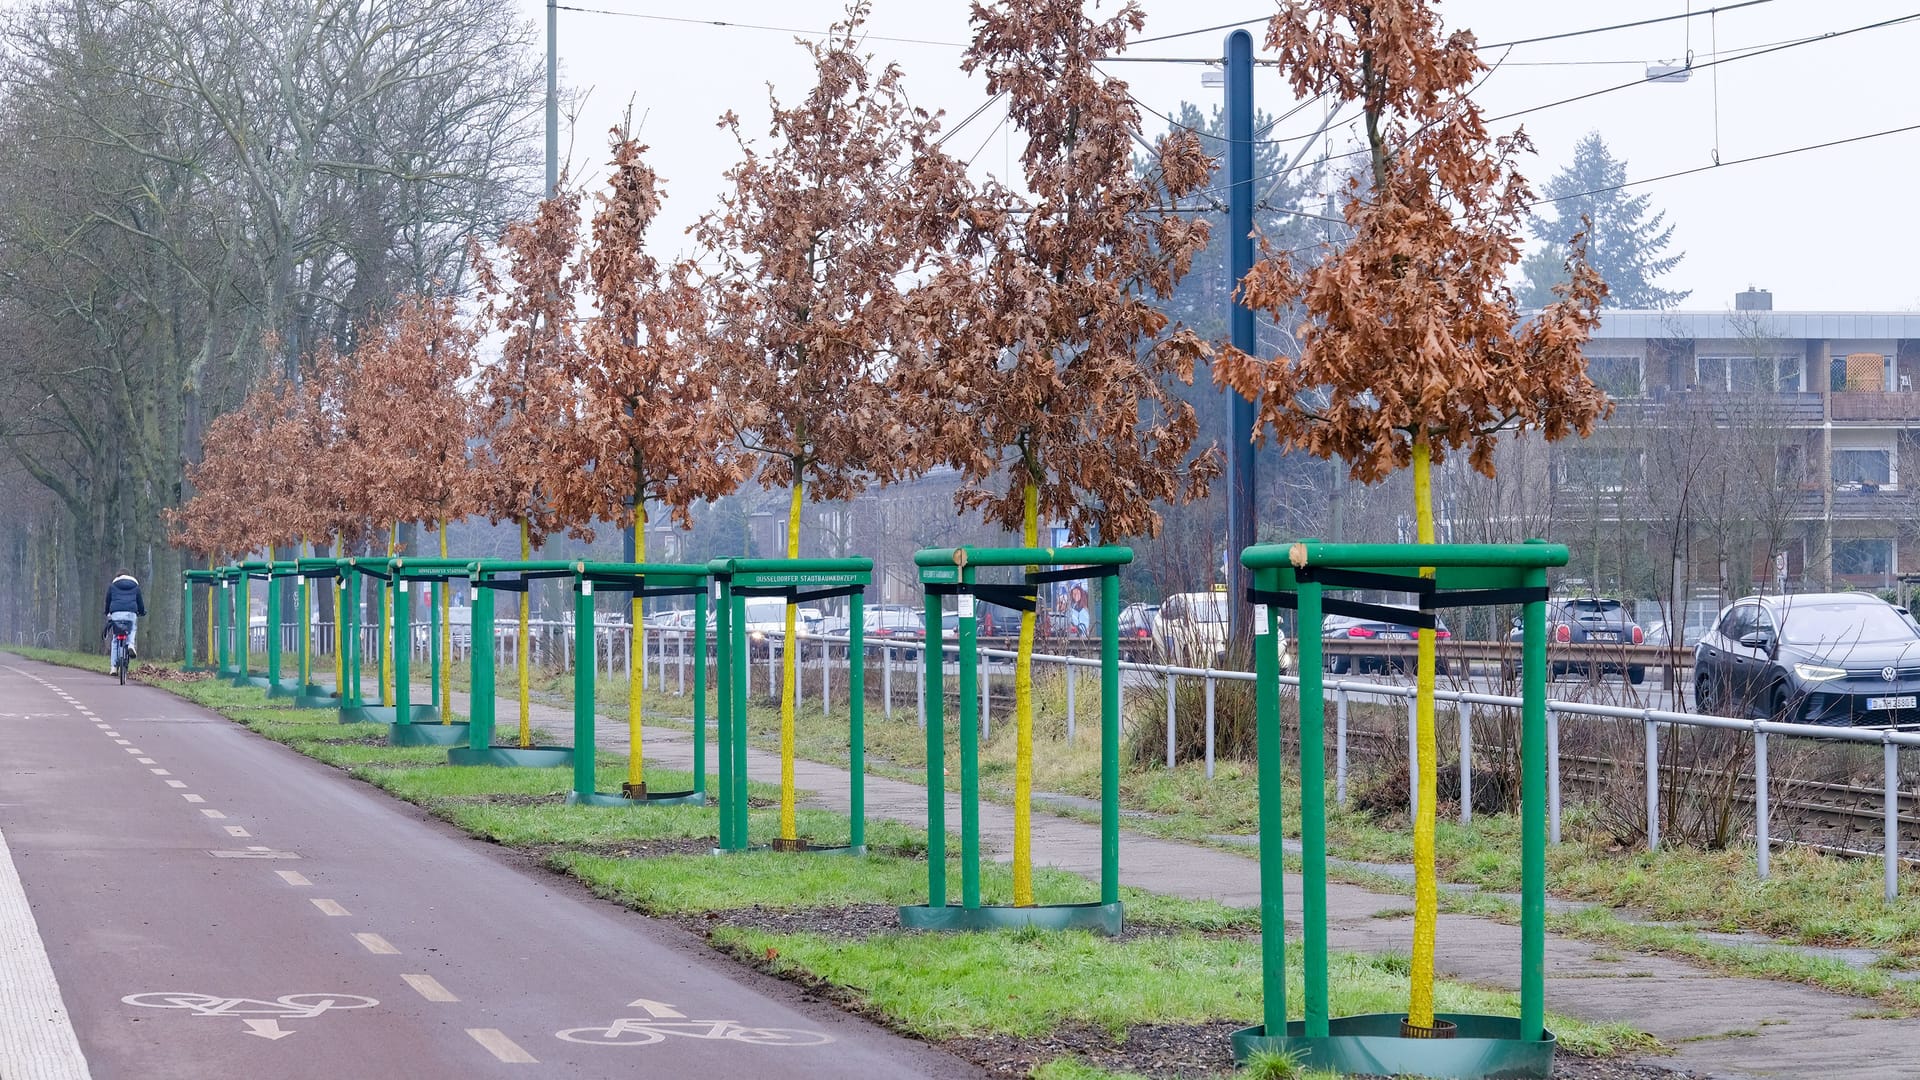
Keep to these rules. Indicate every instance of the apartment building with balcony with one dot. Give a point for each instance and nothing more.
(1755, 444)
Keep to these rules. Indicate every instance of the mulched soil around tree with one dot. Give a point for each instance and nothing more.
(1188, 1051)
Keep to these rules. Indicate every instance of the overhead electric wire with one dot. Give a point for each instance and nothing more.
(1795, 43)
(746, 26)
(1768, 51)
(1768, 156)
(1499, 44)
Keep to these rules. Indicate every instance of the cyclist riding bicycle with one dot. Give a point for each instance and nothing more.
(125, 606)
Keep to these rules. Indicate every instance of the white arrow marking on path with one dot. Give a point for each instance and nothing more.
(659, 1010)
(266, 1029)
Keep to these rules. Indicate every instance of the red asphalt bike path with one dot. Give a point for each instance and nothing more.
(152, 839)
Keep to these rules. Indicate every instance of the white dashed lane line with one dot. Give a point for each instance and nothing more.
(500, 1046)
(159, 772)
(213, 813)
(376, 944)
(144, 760)
(329, 907)
(235, 830)
(429, 987)
(193, 798)
(176, 783)
(294, 877)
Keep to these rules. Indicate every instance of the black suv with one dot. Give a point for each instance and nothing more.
(1588, 620)
(1816, 658)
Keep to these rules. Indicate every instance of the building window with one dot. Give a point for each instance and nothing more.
(1599, 468)
(1862, 468)
(1619, 376)
(1861, 373)
(1862, 555)
(1748, 374)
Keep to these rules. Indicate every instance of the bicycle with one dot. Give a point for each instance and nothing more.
(645, 1032)
(119, 649)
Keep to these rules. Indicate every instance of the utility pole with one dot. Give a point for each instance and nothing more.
(553, 97)
(1240, 474)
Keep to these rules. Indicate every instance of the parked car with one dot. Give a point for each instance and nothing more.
(1815, 658)
(888, 622)
(1192, 629)
(1589, 620)
(1350, 628)
(1136, 620)
(674, 619)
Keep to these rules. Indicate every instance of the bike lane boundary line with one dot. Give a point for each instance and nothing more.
(37, 1038)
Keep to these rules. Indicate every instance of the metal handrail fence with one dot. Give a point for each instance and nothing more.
(666, 652)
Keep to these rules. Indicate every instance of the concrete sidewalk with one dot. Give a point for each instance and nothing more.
(1718, 1025)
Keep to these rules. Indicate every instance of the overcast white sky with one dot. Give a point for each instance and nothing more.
(1829, 229)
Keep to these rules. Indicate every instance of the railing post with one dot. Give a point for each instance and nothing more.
(1762, 818)
(1340, 745)
(826, 681)
(1170, 719)
(1073, 678)
(1553, 776)
(1891, 820)
(1653, 784)
(921, 682)
(1413, 757)
(986, 697)
(1466, 761)
(1209, 691)
(886, 681)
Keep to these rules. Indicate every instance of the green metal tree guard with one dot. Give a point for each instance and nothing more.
(210, 580)
(222, 600)
(417, 725)
(277, 684)
(950, 572)
(639, 580)
(313, 569)
(243, 621)
(796, 581)
(488, 576)
(353, 704)
(1298, 576)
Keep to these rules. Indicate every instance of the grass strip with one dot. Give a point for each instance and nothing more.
(1030, 983)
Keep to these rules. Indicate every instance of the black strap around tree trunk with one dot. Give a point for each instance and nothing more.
(1011, 597)
(795, 595)
(1072, 573)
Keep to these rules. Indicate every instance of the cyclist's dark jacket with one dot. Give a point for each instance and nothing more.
(124, 595)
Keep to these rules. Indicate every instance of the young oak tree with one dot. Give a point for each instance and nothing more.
(414, 423)
(813, 243)
(1413, 339)
(531, 395)
(651, 428)
(1051, 378)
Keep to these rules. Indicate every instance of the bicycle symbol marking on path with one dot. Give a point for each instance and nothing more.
(261, 1017)
(663, 1020)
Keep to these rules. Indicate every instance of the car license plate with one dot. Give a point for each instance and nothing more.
(1605, 636)
(1393, 637)
(1905, 701)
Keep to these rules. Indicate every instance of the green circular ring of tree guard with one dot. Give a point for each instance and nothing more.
(1096, 918)
(1370, 1044)
(526, 757)
(434, 734)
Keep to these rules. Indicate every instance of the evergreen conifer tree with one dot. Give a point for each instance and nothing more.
(1624, 245)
